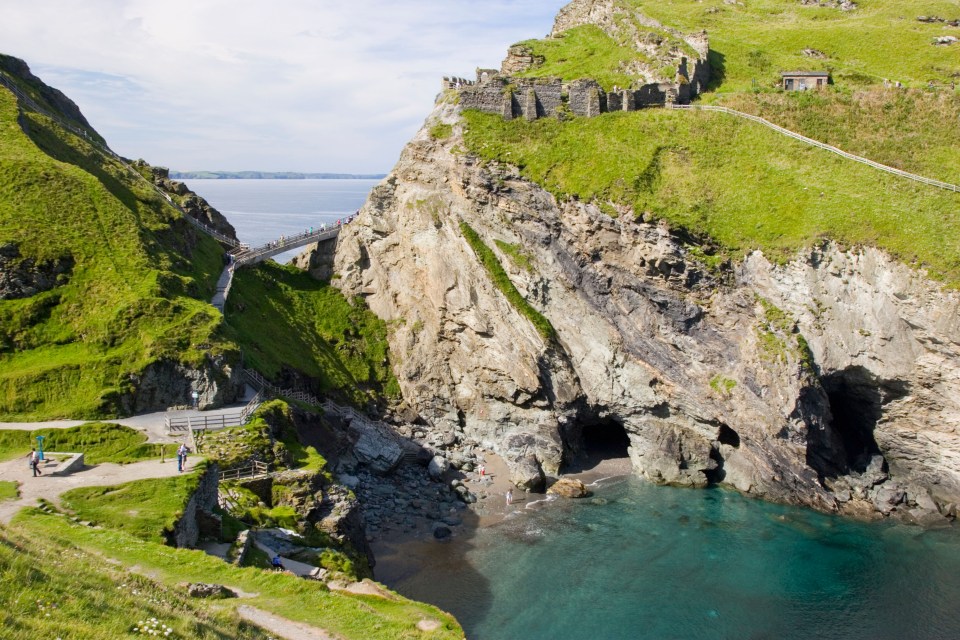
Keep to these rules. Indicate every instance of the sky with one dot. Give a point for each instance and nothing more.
(267, 85)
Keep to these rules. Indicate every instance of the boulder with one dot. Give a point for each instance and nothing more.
(441, 531)
(526, 474)
(381, 455)
(437, 467)
(205, 590)
(569, 488)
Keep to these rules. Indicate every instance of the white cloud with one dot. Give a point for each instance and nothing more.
(303, 85)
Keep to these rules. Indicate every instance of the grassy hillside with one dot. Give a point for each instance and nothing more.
(739, 183)
(286, 319)
(131, 283)
(756, 39)
(135, 288)
(741, 186)
(90, 593)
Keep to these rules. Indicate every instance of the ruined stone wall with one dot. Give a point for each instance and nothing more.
(533, 98)
(539, 97)
(488, 97)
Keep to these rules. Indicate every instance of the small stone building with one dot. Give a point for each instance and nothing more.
(803, 80)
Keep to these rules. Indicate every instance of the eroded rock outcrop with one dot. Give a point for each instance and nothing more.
(827, 382)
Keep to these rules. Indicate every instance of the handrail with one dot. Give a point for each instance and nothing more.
(816, 143)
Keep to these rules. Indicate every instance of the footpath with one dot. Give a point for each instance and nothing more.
(152, 424)
(50, 487)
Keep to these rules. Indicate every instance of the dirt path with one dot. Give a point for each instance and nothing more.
(51, 487)
(282, 627)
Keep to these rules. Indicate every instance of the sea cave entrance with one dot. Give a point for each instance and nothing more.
(856, 401)
(594, 441)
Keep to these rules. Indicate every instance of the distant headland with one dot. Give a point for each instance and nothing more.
(267, 175)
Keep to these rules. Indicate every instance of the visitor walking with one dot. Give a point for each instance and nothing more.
(509, 497)
(277, 563)
(483, 471)
(35, 463)
(182, 457)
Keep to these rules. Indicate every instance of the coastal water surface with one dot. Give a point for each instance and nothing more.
(656, 562)
(263, 210)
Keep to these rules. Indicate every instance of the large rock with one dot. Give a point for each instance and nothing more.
(569, 488)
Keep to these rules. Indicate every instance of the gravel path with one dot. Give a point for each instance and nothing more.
(51, 487)
(282, 627)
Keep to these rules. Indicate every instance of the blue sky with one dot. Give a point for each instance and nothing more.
(285, 85)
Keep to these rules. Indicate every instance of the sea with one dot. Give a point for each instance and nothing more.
(263, 210)
(642, 561)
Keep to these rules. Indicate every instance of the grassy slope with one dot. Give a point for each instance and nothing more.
(583, 52)
(131, 298)
(747, 187)
(146, 509)
(81, 596)
(99, 442)
(285, 318)
(756, 40)
(345, 615)
(738, 183)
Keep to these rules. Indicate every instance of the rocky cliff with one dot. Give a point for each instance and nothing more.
(828, 381)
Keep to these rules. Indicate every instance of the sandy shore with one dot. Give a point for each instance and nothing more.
(399, 555)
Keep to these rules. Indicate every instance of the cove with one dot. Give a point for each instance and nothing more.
(641, 561)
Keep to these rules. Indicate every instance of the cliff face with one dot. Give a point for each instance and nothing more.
(709, 375)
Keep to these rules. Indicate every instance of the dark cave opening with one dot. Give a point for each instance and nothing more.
(598, 440)
(856, 401)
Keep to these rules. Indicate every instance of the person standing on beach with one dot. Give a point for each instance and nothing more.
(35, 462)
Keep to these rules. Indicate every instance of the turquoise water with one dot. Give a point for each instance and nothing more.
(263, 210)
(656, 562)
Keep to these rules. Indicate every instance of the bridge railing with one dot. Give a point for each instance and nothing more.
(816, 143)
(254, 469)
(257, 254)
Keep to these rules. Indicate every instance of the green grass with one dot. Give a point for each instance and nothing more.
(722, 384)
(284, 318)
(137, 292)
(344, 615)
(147, 509)
(517, 254)
(54, 589)
(740, 184)
(502, 281)
(914, 130)
(755, 40)
(9, 490)
(441, 131)
(584, 52)
(237, 446)
(99, 442)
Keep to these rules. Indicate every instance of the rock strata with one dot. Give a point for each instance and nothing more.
(768, 379)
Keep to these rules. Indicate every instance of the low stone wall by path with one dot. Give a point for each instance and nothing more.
(72, 464)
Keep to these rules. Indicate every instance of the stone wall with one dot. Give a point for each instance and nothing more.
(198, 515)
(533, 98)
